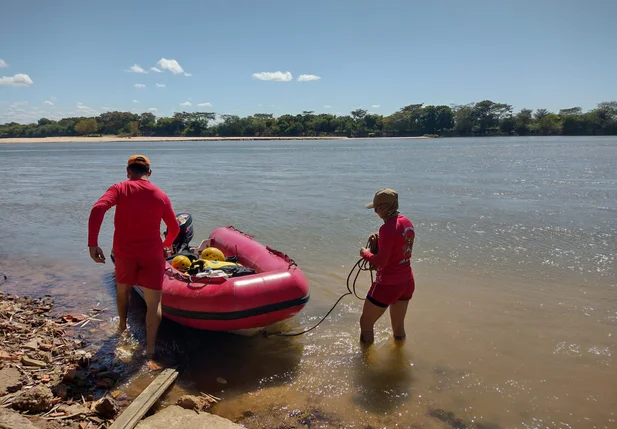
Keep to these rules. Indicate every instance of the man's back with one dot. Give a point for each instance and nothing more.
(140, 207)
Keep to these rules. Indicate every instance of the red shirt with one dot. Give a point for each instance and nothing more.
(140, 207)
(393, 260)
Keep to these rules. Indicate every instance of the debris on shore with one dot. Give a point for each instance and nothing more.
(45, 373)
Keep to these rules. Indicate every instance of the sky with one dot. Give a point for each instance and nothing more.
(80, 58)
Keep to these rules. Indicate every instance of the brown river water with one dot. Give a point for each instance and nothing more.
(514, 319)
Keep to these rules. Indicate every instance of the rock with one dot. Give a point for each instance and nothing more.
(106, 408)
(10, 381)
(32, 362)
(34, 400)
(190, 402)
(10, 419)
(7, 356)
(75, 409)
(33, 344)
(46, 347)
(69, 375)
(45, 357)
(61, 390)
(175, 417)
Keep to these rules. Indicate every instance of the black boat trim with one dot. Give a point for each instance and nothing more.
(232, 315)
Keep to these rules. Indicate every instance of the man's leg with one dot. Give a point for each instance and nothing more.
(398, 310)
(153, 318)
(126, 275)
(123, 294)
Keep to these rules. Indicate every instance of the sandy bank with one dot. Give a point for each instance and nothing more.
(108, 139)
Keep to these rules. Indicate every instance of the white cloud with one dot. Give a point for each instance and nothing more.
(188, 74)
(3, 63)
(328, 107)
(375, 106)
(19, 103)
(205, 104)
(154, 69)
(186, 104)
(171, 65)
(160, 85)
(136, 69)
(19, 79)
(83, 109)
(277, 76)
(135, 101)
(153, 109)
(140, 85)
(308, 77)
(48, 102)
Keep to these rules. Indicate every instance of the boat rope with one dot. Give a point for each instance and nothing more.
(359, 266)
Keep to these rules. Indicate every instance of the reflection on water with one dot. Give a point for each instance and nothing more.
(513, 322)
(383, 384)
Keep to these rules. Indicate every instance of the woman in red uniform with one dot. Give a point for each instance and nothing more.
(394, 283)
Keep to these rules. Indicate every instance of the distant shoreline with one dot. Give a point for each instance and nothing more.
(109, 139)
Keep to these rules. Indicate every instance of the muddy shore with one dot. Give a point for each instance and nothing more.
(51, 378)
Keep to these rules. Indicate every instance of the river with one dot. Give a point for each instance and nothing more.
(514, 319)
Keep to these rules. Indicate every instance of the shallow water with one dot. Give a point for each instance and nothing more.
(514, 319)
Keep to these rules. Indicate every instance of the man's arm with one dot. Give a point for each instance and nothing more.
(107, 201)
(169, 217)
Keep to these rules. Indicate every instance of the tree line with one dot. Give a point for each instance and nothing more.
(485, 118)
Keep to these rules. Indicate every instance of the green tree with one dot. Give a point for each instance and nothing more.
(115, 122)
(464, 119)
(147, 124)
(196, 124)
(549, 125)
(86, 126)
(436, 119)
(486, 116)
(540, 113)
(524, 119)
(507, 125)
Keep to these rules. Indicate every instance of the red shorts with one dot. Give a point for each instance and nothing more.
(146, 271)
(386, 295)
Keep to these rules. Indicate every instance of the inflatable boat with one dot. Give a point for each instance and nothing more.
(270, 288)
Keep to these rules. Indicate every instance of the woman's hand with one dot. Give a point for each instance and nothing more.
(363, 250)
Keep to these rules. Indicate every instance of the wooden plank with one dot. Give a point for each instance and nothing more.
(140, 406)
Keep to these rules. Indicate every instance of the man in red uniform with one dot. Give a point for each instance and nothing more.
(394, 283)
(138, 251)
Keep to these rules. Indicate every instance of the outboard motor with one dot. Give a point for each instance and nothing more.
(185, 222)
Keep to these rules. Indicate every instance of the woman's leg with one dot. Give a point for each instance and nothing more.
(398, 310)
(370, 314)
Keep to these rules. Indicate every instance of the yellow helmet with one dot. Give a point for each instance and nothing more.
(212, 254)
(181, 263)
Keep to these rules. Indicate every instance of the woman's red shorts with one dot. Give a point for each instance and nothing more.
(386, 295)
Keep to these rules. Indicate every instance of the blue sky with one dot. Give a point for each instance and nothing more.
(379, 55)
